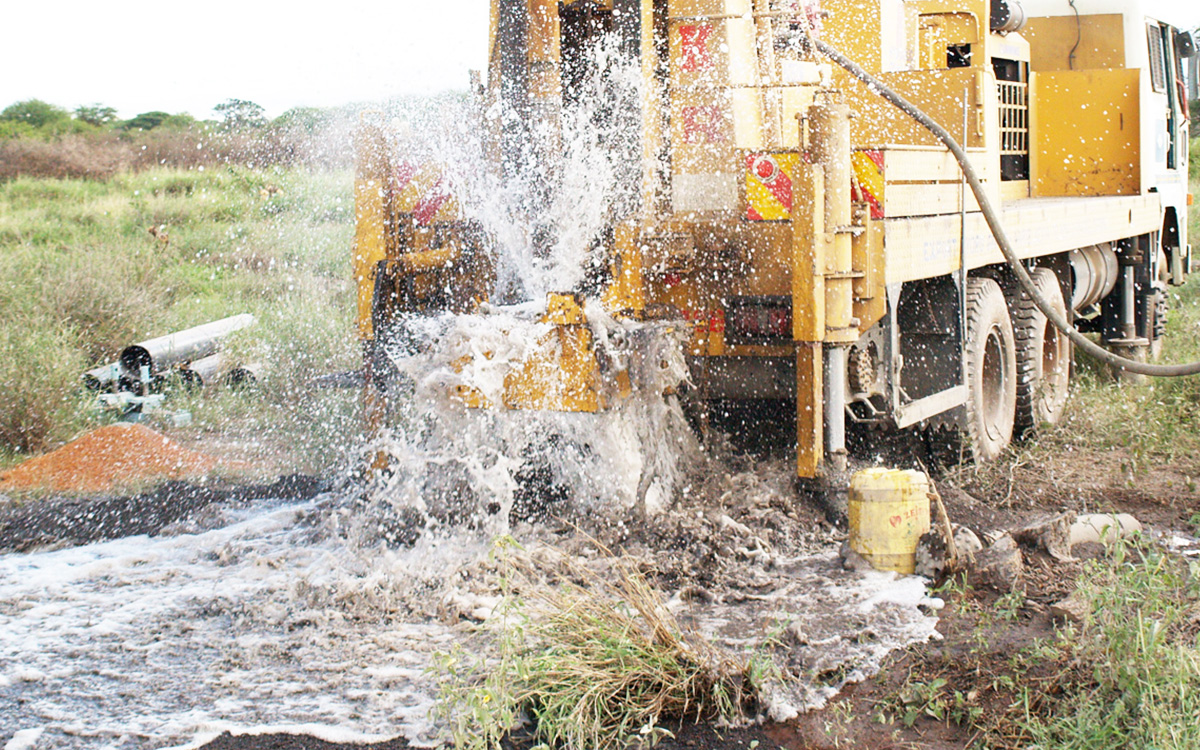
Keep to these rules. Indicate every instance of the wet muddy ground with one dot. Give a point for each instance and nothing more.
(703, 550)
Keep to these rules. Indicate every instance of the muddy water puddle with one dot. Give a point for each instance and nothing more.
(271, 618)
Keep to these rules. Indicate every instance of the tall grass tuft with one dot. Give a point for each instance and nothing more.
(591, 661)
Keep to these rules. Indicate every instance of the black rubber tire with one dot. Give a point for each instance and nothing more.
(991, 361)
(1043, 355)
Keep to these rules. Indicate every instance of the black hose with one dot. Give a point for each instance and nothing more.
(993, 222)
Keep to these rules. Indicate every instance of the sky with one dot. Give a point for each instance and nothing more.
(187, 56)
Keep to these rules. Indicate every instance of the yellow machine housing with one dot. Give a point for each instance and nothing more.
(818, 243)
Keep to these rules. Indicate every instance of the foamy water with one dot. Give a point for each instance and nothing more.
(142, 642)
(275, 622)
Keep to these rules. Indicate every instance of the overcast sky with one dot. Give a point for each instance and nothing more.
(141, 55)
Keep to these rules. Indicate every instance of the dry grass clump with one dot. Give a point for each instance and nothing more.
(589, 661)
(101, 156)
(73, 156)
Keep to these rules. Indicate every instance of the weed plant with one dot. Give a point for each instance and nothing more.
(591, 662)
(84, 277)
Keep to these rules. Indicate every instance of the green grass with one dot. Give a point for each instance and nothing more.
(1132, 671)
(84, 277)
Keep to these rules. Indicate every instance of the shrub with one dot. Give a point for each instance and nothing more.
(39, 375)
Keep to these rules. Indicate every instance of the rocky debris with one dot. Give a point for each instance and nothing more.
(999, 567)
(968, 543)
(1053, 535)
(932, 556)
(1073, 609)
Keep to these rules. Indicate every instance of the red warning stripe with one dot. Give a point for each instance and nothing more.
(433, 200)
(781, 188)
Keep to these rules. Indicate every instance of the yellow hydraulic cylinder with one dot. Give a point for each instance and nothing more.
(831, 149)
(370, 208)
(808, 314)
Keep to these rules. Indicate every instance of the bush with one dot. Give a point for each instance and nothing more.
(39, 372)
(78, 156)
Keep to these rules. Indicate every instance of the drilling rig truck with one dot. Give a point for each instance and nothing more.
(816, 243)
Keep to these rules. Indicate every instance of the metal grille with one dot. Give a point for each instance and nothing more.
(1014, 118)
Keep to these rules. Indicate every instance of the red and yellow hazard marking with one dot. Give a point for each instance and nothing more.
(867, 186)
(694, 54)
(769, 186)
(425, 193)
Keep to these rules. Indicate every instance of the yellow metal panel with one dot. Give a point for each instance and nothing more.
(931, 164)
(1098, 41)
(940, 94)
(561, 376)
(917, 199)
(1084, 133)
(853, 27)
(922, 247)
(626, 292)
(870, 296)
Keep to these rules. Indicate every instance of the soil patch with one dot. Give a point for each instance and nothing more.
(106, 459)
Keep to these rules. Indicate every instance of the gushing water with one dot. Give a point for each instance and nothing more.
(322, 616)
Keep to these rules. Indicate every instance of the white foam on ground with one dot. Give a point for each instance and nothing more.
(25, 739)
(141, 642)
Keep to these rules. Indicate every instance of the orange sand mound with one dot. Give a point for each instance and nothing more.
(107, 458)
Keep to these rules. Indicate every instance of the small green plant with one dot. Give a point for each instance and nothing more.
(1008, 607)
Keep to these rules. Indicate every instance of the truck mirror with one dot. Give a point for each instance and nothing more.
(1185, 45)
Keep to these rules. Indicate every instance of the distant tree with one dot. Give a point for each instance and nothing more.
(180, 121)
(147, 121)
(239, 114)
(96, 114)
(307, 119)
(35, 113)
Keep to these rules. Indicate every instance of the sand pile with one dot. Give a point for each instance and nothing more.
(108, 458)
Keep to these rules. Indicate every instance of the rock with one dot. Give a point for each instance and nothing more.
(998, 568)
(1104, 528)
(931, 555)
(967, 542)
(1050, 534)
(1001, 540)
(1074, 608)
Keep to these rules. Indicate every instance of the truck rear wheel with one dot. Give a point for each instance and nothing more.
(1043, 355)
(991, 361)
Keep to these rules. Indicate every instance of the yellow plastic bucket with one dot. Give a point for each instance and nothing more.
(888, 512)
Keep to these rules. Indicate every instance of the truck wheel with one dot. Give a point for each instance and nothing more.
(1043, 355)
(991, 360)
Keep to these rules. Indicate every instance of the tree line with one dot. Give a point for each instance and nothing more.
(40, 119)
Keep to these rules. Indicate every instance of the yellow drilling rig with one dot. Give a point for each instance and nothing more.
(817, 242)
